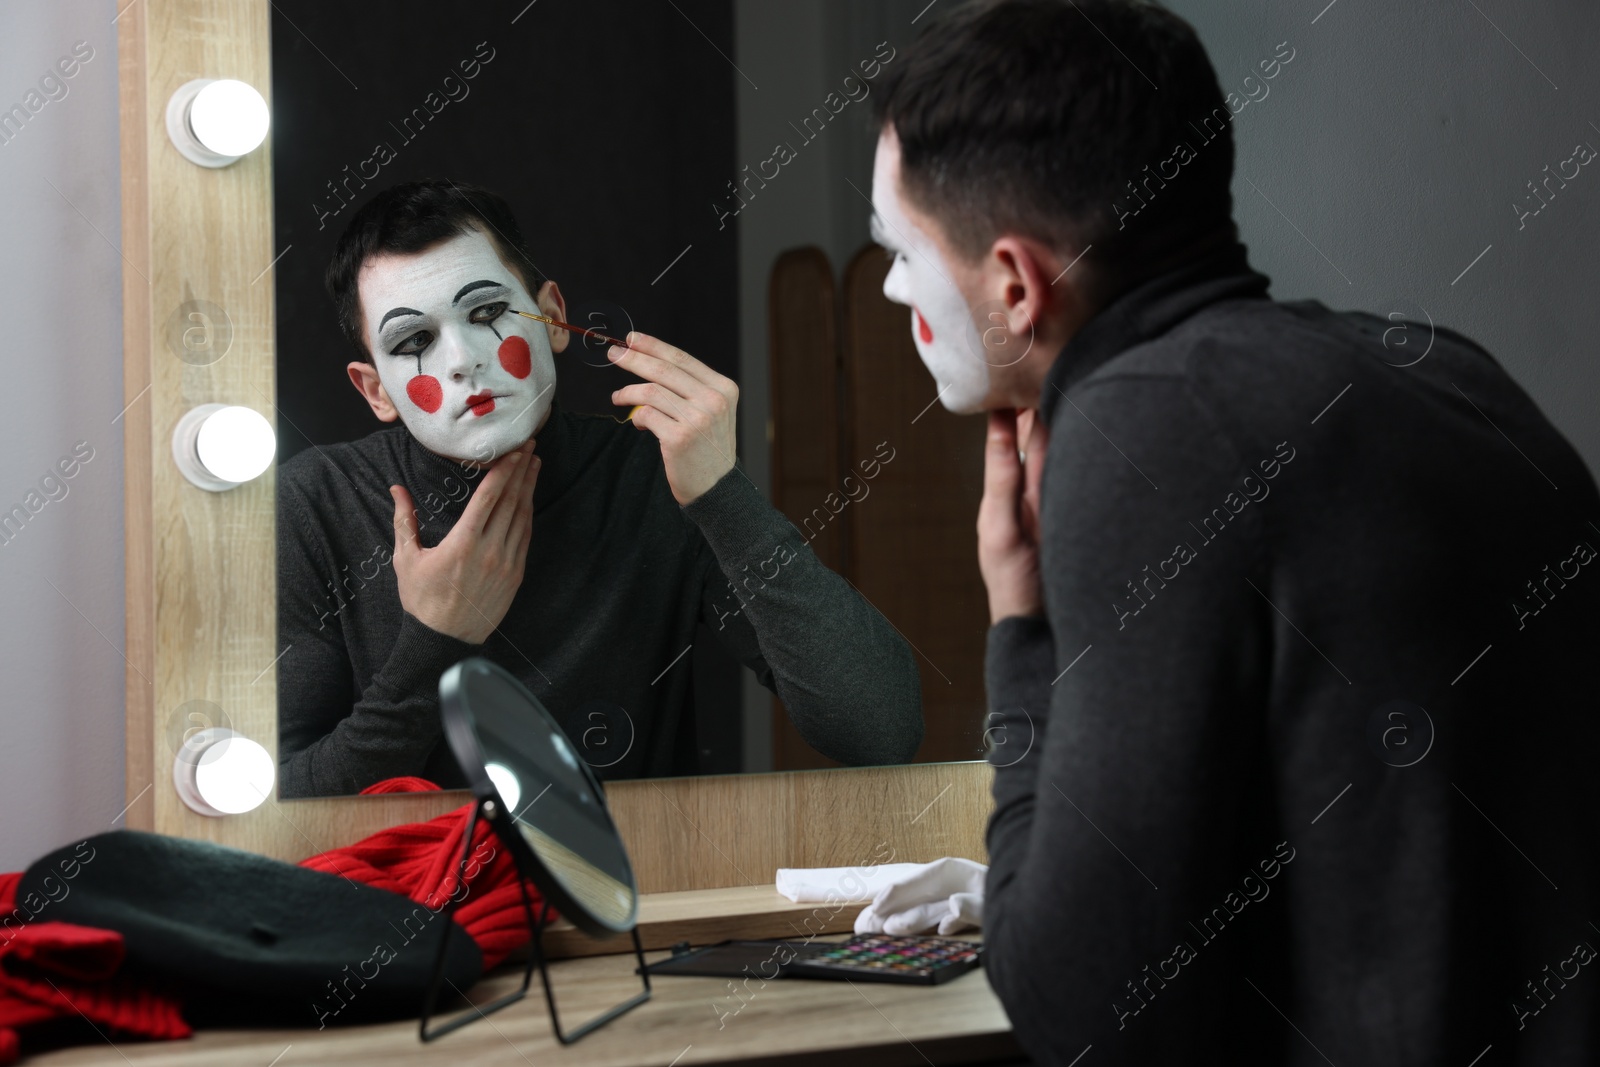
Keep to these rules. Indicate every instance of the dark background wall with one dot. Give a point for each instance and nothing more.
(608, 127)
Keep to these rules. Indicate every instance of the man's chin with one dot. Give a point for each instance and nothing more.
(474, 453)
(963, 400)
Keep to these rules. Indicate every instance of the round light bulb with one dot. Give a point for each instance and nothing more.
(505, 780)
(234, 775)
(236, 444)
(229, 117)
(219, 771)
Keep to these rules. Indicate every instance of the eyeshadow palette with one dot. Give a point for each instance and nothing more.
(882, 958)
(862, 958)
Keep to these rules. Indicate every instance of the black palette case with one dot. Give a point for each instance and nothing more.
(862, 958)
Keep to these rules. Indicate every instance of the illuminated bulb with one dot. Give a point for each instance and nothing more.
(236, 444)
(215, 122)
(219, 771)
(229, 117)
(505, 780)
(219, 446)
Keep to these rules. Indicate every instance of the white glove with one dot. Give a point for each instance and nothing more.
(947, 893)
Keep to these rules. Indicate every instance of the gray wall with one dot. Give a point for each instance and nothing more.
(61, 666)
(1396, 143)
(1393, 145)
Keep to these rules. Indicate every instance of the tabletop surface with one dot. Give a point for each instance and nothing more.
(688, 1020)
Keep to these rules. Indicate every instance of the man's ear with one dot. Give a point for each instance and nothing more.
(552, 303)
(1019, 282)
(1040, 301)
(364, 376)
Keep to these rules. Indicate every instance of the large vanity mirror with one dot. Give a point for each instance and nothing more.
(698, 171)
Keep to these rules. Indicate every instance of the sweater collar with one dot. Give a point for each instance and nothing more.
(1148, 310)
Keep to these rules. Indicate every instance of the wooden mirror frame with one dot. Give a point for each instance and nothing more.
(200, 566)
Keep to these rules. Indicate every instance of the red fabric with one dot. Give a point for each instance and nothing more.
(401, 785)
(50, 970)
(418, 860)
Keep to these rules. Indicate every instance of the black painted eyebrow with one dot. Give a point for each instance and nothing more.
(398, 313)
(473, 286)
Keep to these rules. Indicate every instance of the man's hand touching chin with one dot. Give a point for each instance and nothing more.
(688, 406)
(1008, 516)
(463, 586)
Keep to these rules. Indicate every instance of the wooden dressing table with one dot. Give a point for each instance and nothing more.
(688, 839)
(687, 1021)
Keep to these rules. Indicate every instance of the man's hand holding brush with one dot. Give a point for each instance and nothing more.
(688, 406)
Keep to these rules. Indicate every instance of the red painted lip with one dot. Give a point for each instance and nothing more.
(480, 404)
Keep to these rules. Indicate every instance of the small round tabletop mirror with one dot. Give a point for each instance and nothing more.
(545, 798)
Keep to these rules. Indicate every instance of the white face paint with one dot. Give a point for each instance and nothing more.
(470, 380)
(941, 325)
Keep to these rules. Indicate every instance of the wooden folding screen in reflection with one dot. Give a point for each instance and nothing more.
(806, 431)
(851, 398)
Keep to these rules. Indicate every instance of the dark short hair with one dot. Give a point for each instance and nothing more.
(413, 216)
(1036, 117)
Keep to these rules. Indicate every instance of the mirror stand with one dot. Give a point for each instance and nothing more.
(536, 937)
(550, 996)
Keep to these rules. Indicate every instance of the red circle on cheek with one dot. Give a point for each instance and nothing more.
(924, 330)
(515, 357)
(425, 392)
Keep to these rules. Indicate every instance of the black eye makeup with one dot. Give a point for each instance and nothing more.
(413, 344)
(881, 237)
(486, 314)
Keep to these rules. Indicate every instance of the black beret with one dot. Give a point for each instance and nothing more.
(244, 939)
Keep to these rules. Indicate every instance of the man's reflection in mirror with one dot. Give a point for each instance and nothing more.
(579, 552)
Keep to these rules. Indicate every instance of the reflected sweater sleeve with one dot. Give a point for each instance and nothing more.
(846, 676)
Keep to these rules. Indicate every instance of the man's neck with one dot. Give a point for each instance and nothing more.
(1050, 338)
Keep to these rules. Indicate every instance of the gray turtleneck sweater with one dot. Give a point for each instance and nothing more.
(617, 578)
(1297, 766)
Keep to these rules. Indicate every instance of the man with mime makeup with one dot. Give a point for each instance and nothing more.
(577, 552)
(1292, 667)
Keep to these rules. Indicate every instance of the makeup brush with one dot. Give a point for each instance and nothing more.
(579, 329)
(568, 326)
